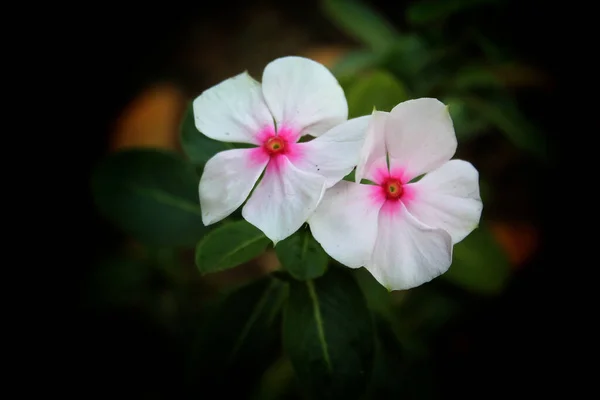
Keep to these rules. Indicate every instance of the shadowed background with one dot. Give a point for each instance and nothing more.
(146, 63)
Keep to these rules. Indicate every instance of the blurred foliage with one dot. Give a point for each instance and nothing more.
(423, 63)
(308, 327)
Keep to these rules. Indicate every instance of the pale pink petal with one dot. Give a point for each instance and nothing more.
(408, 253)
(284, 199)
(419, 137)
(335, 153)
(345, 222)
(227, 180)
(448, 198)
(233, 111)
(303, 95)
(372, 159)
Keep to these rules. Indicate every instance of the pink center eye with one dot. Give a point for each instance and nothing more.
(392, 188)
(275, 145)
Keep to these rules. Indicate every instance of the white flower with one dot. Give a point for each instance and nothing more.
(297, 97)
(403, 232)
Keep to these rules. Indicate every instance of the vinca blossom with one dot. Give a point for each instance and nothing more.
(402, 230)
(297, 97)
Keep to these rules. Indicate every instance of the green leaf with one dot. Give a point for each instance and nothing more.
(354, 62)
(302, 256)
(503, 113)
(422, 12)
(240, 338)
(379, 89)
(479, 264)
(150, 194)
(361, 22)
(399, 373)
(328, 336)
(351, 177)
(197, 147)
(228, 246)
(468, 124)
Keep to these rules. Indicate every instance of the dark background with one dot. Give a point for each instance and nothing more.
(122, 49)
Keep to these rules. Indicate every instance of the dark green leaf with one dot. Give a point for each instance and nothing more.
(302, 256)
(240, 340)
(150, 194)
(378, 89)
(421, 12)
(361, 22)
(503, 113)
(328, 335)
(398, 373)
(198, 148)
(467, 123)
(229, 245)
(479, 264)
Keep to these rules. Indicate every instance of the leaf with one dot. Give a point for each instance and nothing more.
(398, 373)
(150, 194)
(479, 264)
(361, 22)
(197, 147)
(378, 89)
(422, 12)
(354, 62)
(503, 113)
(328, 336)
(228, 246)
(302, 256)
(468, 124)
(240, 339)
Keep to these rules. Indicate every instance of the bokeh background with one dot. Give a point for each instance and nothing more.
(478, 332)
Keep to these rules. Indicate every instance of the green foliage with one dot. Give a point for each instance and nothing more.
(240, 339)
(479, 265)
(328, 336)
(427, 11)
(361, 22)
(379, 89)
(150, 194)
(228, 246)
(302, 256)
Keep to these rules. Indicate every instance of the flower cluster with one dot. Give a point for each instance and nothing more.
(409, 205)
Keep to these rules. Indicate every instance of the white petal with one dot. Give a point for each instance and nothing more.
(419, 137)
(303, 95)
(233, 111)
(448, 198)
(345, 223)
(373, 156)
(283, 200)
(408, 253)
(335, 153)
(227, 180)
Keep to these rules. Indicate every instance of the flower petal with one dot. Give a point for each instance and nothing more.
(233, 111)
(303, 96)
(345, 223)
(408, 253)
(227, 180)
(419, 137)
(284, 199)
(335, 153)
(448, 198)
(373, 154)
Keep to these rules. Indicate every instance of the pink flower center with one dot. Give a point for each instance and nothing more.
(392, 188)
(275, 145)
